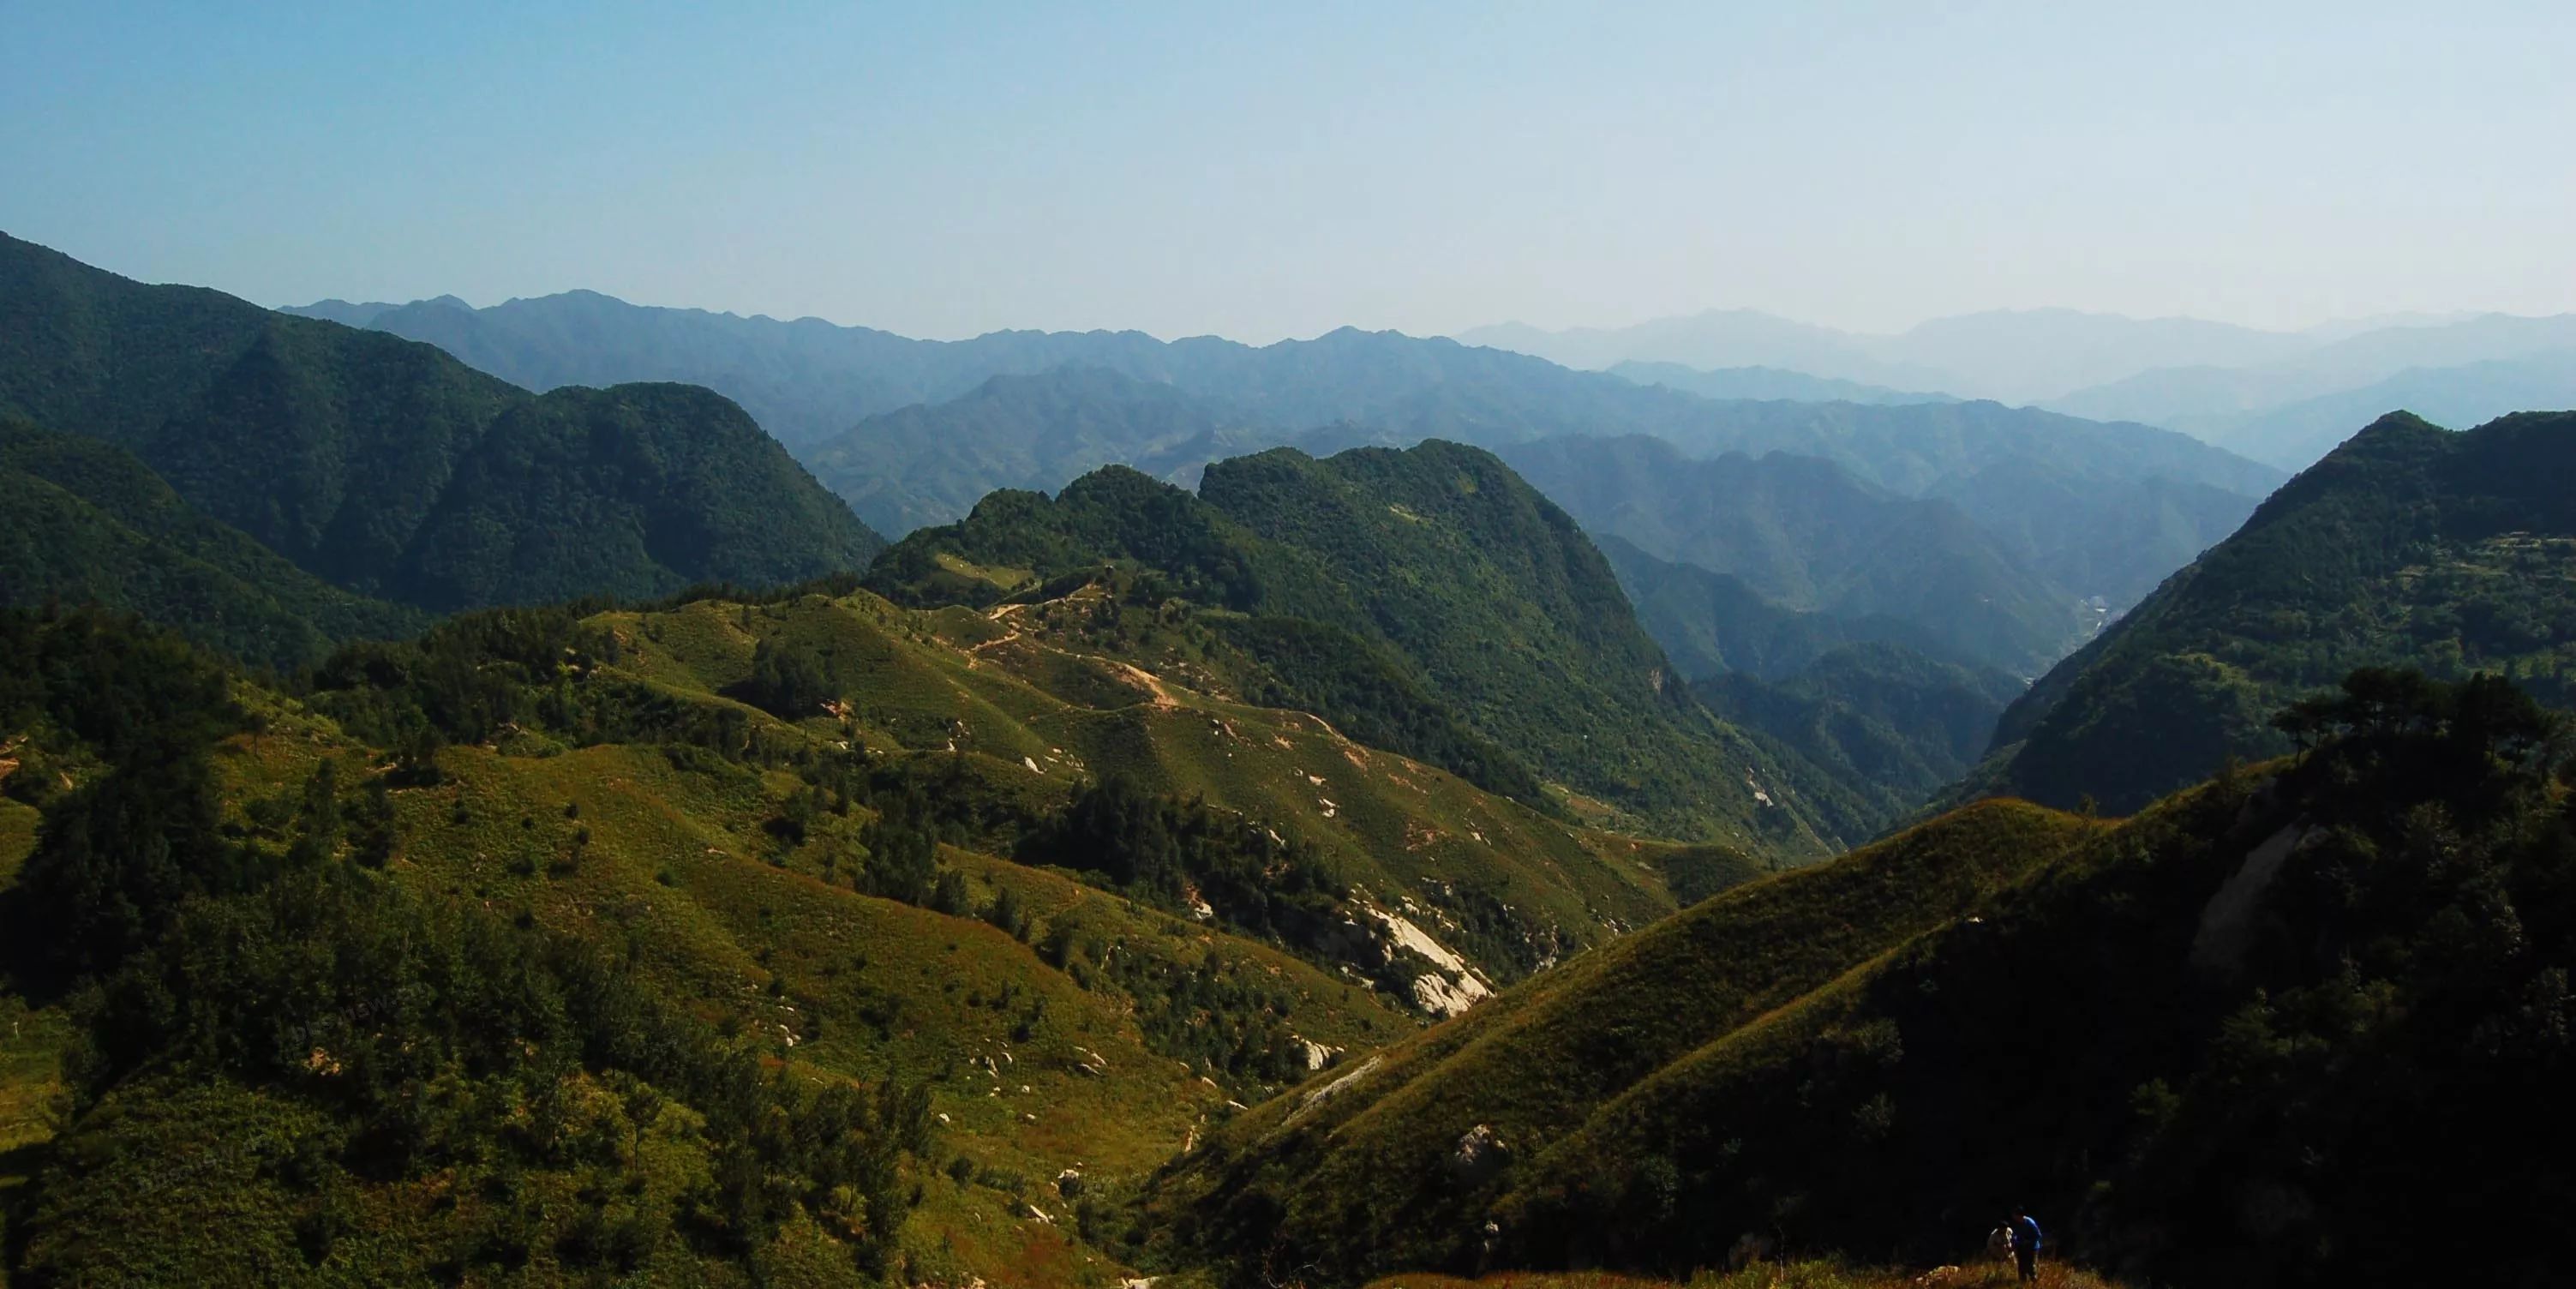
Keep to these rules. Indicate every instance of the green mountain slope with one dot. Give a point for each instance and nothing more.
(1479, 590)
(90, 523)
(992, 904)
(1361, 1173)
(2410, 545)
(1805, 533)
(383, 466)
(634, 491)
(2286, 1028)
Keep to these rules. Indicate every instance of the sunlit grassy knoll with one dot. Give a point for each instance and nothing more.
(1038, 711)
(663, 858)
(1094, 1033)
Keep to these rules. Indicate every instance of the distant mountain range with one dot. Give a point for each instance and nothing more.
(2001, 536)
(1828, 506)
(1766, 384)
(2014, 355)
(2279, 397)
(382, 468)
(1804, 534)
(2291, 416)
(1332, 812)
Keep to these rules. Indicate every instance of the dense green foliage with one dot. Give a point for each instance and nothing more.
(2304, 1025)
(90, 524)
(2410, 546)
(571, 969)
(1372, 695)
(1473, 589)
(285, 1036)
(635, 491)
(1508, 608)
(1181, 855)
(385, 467)
(1015, 541)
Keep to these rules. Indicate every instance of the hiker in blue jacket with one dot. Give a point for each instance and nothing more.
(2025, 1229)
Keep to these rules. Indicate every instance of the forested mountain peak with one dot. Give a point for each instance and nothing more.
(1446, 574)
(2409, 545)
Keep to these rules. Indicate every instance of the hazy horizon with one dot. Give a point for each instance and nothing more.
(2327, 326)
(1281, 175)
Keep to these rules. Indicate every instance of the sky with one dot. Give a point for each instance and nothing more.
(1279, 170)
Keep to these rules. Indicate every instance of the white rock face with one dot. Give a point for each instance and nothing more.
(1455, 988)
(1334, 1088)
(1445, 998)
(1416, 939)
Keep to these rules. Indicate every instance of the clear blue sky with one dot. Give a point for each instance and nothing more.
(1259, 171)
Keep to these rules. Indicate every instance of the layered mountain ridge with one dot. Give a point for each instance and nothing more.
(390, 470)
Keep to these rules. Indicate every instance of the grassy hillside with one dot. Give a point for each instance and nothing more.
(1363, 1173)
(819, 890)
(1510, 611)
(391, 470)
(2410, 546)
(2292, 1026)
(1458, 582)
